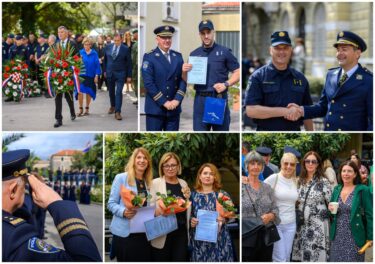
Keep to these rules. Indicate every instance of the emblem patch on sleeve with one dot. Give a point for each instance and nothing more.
(38, 245)
(145, 65)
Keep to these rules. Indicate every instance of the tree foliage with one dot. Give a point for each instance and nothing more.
(327, 145)
(193, 150)
(10, 139)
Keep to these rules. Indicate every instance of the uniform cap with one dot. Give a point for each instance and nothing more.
(18, 37)
(14, 164)
(264, 151)
(289, 149)
(280, 37)
(205, 24)
(350, 38)
(164, 31)
(11, 36)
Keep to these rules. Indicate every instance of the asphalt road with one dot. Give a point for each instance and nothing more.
(38, 114)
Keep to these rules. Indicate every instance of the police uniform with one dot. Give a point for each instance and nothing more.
(348, 107)
(6, 48)
(18, 51)
(270, 87)
(163, 82)
(20, 239)
(267, 171)
(39, 51)
(220, 61)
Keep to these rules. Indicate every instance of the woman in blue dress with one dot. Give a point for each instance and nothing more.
(206, 192)
(92, 66)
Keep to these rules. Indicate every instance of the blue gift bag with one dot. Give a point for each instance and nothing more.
(214, 109)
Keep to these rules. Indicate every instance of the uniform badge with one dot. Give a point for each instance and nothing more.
(37, 245)
(145, 65)
(174, 54)
(341, 34)
(166, 28)
(157, 54)
(359, 77)
(281, 34)
(204, 22)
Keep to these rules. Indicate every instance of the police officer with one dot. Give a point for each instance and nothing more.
(269, 168)
(347, 98)
(20, 241)
(18, 50)
(30, 50)
(6, 47)
(165, 88)
(40, 51)
(272, 87)
(220, 62)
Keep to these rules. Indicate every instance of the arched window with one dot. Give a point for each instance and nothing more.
(319, 37)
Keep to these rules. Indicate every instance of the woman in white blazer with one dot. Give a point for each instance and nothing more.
(137, 177)
(174, 246)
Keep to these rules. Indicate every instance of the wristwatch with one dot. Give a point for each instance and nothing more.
(226, 84)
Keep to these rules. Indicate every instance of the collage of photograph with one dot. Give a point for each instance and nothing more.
(154, 131)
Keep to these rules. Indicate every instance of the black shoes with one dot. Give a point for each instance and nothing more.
(73, 117)
(58, 123)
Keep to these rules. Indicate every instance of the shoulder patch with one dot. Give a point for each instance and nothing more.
(145, 65)
(37, 245)
(14, 221)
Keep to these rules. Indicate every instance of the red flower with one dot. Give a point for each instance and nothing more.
(76, 58)
(60, 80)
(225, 198)
(66, 74)
(6, 75)
(26, 75)
(76, 70)
(65, 64)
(53, 74)
(71, 83)
(51, 61)
(57, 65)
(18, 68)
(25, 66)
(45, 74)
(66, 53)
(7, 68)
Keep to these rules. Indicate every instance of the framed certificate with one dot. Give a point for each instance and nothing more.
(198, 73)
(160, 226)
(207, 227)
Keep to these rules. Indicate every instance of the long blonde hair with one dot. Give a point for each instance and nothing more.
(130, 167)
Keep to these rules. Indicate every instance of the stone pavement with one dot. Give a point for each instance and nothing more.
(38, 114)
(186, 119)
(93, 215)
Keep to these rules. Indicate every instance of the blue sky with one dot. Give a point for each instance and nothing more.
(45, 144)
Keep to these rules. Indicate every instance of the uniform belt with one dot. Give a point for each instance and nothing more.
(210, 94)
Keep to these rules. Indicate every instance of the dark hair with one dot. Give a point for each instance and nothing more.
(319, 169)
(246, 145)
(357, 179)
(359, 160)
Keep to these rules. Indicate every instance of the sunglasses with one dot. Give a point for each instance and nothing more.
(311, 162)
(291, 164)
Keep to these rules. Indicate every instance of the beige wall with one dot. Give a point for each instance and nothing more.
(56, 162)
(187, 26)
(225, 22)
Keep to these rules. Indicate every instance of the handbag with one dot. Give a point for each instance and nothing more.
(271, 235)
(250, 228)
(300, 215)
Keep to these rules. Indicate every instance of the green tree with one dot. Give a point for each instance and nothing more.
(327, 145)
(10, 139)
(193, 150)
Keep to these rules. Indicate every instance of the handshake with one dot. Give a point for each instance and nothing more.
(293, 112)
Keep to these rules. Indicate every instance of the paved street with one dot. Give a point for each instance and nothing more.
(38, 114)
(186, 120)
(93, 215)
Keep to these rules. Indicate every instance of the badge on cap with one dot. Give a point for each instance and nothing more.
(341, 34)
(205, 22)
(166, 28)
(281, 34)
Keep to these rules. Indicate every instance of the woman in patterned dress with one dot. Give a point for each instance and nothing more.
(352, 225)
(207, 189)
(311, 242)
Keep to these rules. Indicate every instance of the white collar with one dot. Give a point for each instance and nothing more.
(351, 71)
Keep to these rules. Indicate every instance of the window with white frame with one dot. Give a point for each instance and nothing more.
(171, 11)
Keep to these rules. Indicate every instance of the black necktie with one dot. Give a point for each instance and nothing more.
(343, 78)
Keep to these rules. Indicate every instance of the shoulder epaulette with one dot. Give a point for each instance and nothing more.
(151, 51)
(367, 70)
(334, 68)
(14, 221)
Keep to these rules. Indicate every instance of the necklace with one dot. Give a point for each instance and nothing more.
(140, 183)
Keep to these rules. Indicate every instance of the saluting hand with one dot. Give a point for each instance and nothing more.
(42, 194)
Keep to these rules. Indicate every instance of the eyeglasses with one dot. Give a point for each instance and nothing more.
(291, 164)
(171, 166)
(311, 161)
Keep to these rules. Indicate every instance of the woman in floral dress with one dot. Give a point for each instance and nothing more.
(206, 192)
(311, 242)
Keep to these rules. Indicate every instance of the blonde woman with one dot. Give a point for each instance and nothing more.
(284, 185)
(137, 178)
(174, 246)
(92, 72)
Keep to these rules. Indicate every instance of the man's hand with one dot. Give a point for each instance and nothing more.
(42, 194)
(96, 79)
(168, 105)
(219, 87)
(174, 104)
(186, 67)
(294, 112)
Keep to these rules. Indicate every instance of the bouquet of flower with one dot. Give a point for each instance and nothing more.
(32, 88)
(132, 200)
(171, 204)
(15, 72)
(61, 70)
(225, 206)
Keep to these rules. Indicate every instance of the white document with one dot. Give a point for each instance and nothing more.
(143, 214)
